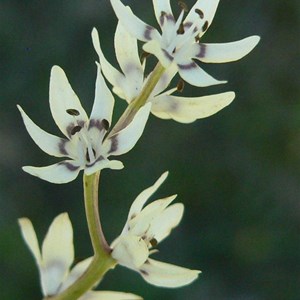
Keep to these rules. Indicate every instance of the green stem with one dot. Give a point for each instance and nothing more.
(102, 260)
(140, 100)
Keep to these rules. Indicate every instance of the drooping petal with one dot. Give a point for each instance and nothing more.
(162, 226)
(227, 52)
(124, 140)
(109, 295)
(104, 100)
(167, 275)
(47, 142)
(130, 251)
(141, 199)
(202, 13)
(129, 60)
(75, 273)
(103, 163)
(61, 172)
(189, 109)
(111, 74)
(162, 6)
(57, 254)
(30, 239)
(194, 75)
(63, 99)
(133, 24)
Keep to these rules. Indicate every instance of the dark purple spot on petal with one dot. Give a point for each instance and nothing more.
(114, 144)
(189, 66)
(73, 112)
(147, 33)
(75, 129)
(202, 51)
(69, 166)
(205, 26)
(99, 124)
(167, 55)
(62, 147)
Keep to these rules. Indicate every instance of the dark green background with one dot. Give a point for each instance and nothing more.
(237, 172)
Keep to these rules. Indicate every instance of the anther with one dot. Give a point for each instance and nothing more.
(180, 30)
(199, 12)
(75, 129)
(153, 242)
(144, 55)
(183, 5)
(73, 112)
(205, 26)
(180, 85)
(105, 124)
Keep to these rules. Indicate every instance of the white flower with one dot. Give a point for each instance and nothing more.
(178, 45)
(85, 143)
(56, 258)
(144, 229)
(129, 83)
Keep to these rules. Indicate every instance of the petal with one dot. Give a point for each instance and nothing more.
(141, 199)
(128, 57)
(162, 226)
(130, 251)
(76, 272)
(63, 98)
(167, 275)
(103, 163)
(108, 295)
(227, 52)
(57, 254)
(47, 142)
(61, 172)
(30, 239)
(194, 75)
(133, 24)
(161, 6)
(142, 223)
(112, 75)
(206, 11)
(124, 140)
(189, 109)
(104, 100)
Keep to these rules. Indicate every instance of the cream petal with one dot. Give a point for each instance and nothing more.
(103, 163)
(161, 6)
(194, 75)
(75, 273)
(57, 254)
(167, 275)
(133, 24)
(142, 198)
(63, 98)
(61, 172)
(128, 58)
(162, 226)
(189, 109)
(30, 239)
(124, 140)
(141, 224)
(130, 251)
(227, 52)
(104, 100)
(109, 295)
(49, 143)
(208, 9)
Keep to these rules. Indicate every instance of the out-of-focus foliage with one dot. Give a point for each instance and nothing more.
(237, 172)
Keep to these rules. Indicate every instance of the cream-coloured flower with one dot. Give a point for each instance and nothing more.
(56, 257)
(178, 43)
(129, 83)
(144, 229)
(85, 143)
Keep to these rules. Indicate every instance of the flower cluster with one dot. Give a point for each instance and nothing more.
(89, 142)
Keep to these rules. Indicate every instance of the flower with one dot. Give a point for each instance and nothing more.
(129, 84)
(178, 43)
(144, 229)
(56, 258)
(86, 142)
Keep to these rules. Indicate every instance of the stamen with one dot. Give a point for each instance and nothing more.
(73, 112)
(180, 85)
(153, 242)
(180, 30)
(105, 124)
(183, 6)
(199, 12)
(75, 129)
(205, 26)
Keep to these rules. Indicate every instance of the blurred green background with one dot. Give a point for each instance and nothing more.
(237, 172)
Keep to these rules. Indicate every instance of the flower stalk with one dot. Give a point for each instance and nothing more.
(102, 260)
